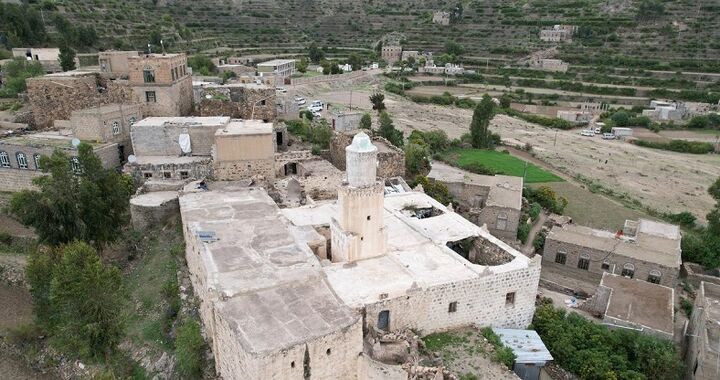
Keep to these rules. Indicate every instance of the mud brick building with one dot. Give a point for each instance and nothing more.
(391, 159)
(55, 96)
(115, 63)
(49, 58)
(161, 83)
(644, 249)
(391, 54)
(237, 100)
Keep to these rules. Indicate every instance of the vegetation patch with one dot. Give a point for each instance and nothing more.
(501, 163)
(682, 146)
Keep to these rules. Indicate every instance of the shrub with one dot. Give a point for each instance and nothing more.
(685, 219)
(478, 168)
(416, 159)
(539, 242)
(682, 146)
(686, 306)
(535, 210)
(523, 231)
(546, 197)
(502, 354)
(435, 189)
(190, 349)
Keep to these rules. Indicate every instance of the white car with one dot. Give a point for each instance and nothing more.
(587, 132)
(300, 101)
(314, 108)
(608, 136)
(317, 114)
(280, 89)
(598, 130)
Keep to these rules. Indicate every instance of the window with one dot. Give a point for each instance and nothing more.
(149, 76)
(172, 74)
(654, 276)
(36, 158)
(147, 175)
(628, 270)
(132, 120)
(328, 352)
(605, 264)
(262, 102)
(150, 97)
(4, 160)
(115, 128)
(21, 160)
(501, 223)
(560, 257)
(383, 320)
(167, 175)
(510, 299)
(584, 262)
(184, 175)
(452, 307)
(75, 163)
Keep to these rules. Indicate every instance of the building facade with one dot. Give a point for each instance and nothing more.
(49, 58)
(110, 123)
(391, 54)
(237, 100)
(281, 68)
(161, 83)
(702, 355)
(115, 63)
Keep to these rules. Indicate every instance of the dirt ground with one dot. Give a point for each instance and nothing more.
(664, 136)
(663, 180)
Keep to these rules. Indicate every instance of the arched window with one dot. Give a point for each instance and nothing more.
(501, 223)
(605, 264)
(75, 162)
(36, 159)
(628, 270)
(561, 257)
(116, 128)
(21, 160)
(584, 262)
(654, 276)
(4, 160)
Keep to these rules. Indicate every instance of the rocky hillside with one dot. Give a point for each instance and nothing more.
(616, 32)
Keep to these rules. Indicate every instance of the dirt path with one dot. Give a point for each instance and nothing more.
(527, 248)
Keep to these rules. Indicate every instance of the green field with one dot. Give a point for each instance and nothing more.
(501, 162)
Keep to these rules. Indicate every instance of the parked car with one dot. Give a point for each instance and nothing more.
(598, 130)
(317, 114)
(587, 132)
(316, 106)
(300, 101)
(280, 89)
(608, 136)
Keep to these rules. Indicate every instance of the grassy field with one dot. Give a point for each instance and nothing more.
(501, 162)
(590, 209)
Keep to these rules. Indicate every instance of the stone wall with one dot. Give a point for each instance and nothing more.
(369, 369)
(694, 275)
(391, 160)
(96, 124)
(174, 99)
(162, 140)
(54, 98)
(170, 170)
(281, 159)
(153, 209)
(480, 301)
(245, 169)
(615, 261)
(237, 102)
(16, 179)
(489, 215)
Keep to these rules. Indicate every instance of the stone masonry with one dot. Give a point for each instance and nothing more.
(239, 101)
(391, 160)
(161, 84)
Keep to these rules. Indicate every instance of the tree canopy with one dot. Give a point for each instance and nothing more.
(66, 57)
(388, 130)
(78, 200)
(480, 125)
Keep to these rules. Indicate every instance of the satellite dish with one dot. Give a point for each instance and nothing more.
(132, 159)
(75, 142)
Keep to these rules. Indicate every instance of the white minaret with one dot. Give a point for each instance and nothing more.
(359, 232)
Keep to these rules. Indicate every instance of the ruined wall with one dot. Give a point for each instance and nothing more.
(616, 262)
(391, 161)
(109, 155)
(288, 157)
(237, 102)
(170, 170)
(369, 369)
(245, 169)
(54, 98)
(480, 301)
(145, 214)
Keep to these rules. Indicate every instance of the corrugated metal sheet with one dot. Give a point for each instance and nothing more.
(526, 344)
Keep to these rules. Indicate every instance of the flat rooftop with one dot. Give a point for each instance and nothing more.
(526, 345)
(276, 62)
(640, 302)
(245, 127)
(417, 256)
(51, 139)
(271, 287)
(157, 55)
(252, 85)
(105, 108)
(505, 191)
(169, 160)
(65, 75)
(650, 248)
(190, 121)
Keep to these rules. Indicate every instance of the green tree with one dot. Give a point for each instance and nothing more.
(435, 189)
(378, 101)
(366, 121)
(621, 118)
(201, 64)
(87, 202)
(66, 57)
(355, 61)
(320, 134)
(416, 160)
(388, 130)
(39, 272)
(480, 125)
(16, 72)
(85, 303)
(315, 54)
(156, 39)
(302, 65)
(505, 100)
(453, 48)
(190, 349)
(87, 37)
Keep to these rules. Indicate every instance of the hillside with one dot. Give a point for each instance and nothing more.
(635, 33)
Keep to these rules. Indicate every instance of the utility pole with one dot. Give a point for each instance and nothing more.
(350, 98)
(555, 142)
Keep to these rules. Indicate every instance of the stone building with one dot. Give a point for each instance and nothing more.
(441, 18)
(161, 83)
(574, 116)
(109, 123)
(494, 201)
(244, 150)
(702, 353)
(401, 261)
(20, 156)
(391, 159)
(554, 65)
(115, 63)
(54, 96)
(391, 54)
(644, 249)
(237, 100)
(49, 58)
(558, 33)
(345, 121)
(277, 68)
